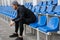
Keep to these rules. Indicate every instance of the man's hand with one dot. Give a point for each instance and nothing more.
(11, 23)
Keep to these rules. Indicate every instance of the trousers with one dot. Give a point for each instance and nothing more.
(19, 26)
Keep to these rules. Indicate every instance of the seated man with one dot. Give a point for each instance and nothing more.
(24, 16)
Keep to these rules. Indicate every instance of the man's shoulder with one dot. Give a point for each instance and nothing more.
(21, 7)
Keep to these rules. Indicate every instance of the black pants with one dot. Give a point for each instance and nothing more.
(19, 26)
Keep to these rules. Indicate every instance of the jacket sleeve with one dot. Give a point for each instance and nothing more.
(21, 16)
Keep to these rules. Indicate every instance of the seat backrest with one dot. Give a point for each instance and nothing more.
(44, 3)
(49, 2)
(26, 5)
(57, 9)
(53, 23)
(37, 9)
(40, 3)
(49, 8)
(14, 15)
(55, 1)
(43, 8)
(33, 9)
(30, 7)
(42, 20)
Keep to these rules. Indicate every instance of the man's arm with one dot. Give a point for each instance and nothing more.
(20, 15)
(19, 18)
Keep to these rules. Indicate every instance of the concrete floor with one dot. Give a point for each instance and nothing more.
(6, 30)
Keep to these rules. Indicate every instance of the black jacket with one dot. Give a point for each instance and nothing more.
(24, 15)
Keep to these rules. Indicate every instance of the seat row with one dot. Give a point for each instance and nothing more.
(47, 7)
(40, 8)
(8, 11)
(42, 25)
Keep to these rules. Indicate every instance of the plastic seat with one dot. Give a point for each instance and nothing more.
(43, 9)
(57, 10)
(8, 8)
(8, 13)
(55, 2)
(37, 9)
(15, 14)
(41, 22)
(50, 9)
(33, 9)
(49, 2)
(44, 3)
(26, 5)
(30, 7)
(40, 3)
(52, 25)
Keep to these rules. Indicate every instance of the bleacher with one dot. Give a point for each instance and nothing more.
(8, 11)
(42, 11)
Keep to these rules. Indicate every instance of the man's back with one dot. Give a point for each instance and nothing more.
(25, 14)
(29, 15)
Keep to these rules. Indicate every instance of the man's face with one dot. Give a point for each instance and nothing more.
(14, 6)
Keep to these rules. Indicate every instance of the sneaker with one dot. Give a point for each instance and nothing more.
(19, 38)
(13, 35)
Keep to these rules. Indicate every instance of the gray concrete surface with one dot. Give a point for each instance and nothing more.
(6, 30)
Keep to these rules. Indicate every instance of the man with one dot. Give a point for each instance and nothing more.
(24, 16)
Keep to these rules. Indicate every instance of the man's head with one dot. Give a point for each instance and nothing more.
(15, 5)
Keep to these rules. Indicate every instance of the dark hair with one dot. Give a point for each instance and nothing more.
(15, 3)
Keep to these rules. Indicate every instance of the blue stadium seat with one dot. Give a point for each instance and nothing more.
(7, 8)
(49, 2)
(52, 25)
(43, 9)
(37, 9)
(14, 14)
(41, 22)
(33, 9)
(44, 3)
(27, 5)
(55, 2)
(40, 3)
(50, 9)
(57, 10)
(8, 11)
(30, 7)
